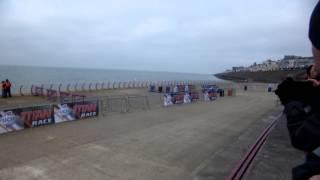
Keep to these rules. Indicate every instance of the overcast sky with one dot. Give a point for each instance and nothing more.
(202, 36)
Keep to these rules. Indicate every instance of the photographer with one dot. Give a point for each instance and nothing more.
(302, 108)
(314, 36)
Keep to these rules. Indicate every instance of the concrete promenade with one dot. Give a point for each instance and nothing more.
(277, 158)
(161, 143)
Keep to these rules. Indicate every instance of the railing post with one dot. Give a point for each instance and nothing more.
(68, 87)
(97, 86)
(90, 86)
(60, 85)
(76, 87)
(83, 86)
(32, 86)
(21, 94)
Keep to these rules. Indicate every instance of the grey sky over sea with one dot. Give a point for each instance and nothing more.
(203, 36)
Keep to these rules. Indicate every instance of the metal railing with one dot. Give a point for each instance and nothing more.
(123, 104)
(23, 90)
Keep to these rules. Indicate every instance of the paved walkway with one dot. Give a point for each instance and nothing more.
(277, 158)
(162, 143)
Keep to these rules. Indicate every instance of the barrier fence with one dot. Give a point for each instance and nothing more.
(73, 106)
(28, 117)
(69, 106)
(94, 86)
(54, 95)
(19, 118)
(187, 97)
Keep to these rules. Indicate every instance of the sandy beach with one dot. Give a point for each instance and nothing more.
(159, 143)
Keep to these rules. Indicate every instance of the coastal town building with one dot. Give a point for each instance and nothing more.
(295, 62)
(288, 62)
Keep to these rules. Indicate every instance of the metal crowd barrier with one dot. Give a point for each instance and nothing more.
(123, 104)
(91, 86)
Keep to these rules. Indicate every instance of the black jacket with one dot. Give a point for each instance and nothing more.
(303, 122)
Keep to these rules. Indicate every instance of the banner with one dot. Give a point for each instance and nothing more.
(10, 121)
(73, 111)
(21, 118)
(195, 96)
(180, 98)
(18, 119)
(36, 116)
(210, 96)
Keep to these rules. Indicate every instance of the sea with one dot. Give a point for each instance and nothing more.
(26, 76)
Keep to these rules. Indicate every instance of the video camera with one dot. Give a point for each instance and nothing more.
(303, 91)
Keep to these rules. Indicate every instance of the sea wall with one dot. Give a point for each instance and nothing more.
(262, 76)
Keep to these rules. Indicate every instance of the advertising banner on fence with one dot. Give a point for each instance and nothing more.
(10, 121)
(73, 111)
(180, 98)
(18, 119)
(210, 96)
(37, 116)
(21, 118)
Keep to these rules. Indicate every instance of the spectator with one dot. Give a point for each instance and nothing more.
(4, 89)
(314, 36)
(8, 88)
(302, 108)
(269, 87)
(309, 77)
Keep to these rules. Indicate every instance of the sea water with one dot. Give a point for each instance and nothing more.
(27, 76)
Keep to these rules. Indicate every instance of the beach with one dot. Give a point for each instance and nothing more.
(158, 143)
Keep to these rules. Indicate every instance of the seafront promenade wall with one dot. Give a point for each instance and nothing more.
(93, 86)
(24, 90)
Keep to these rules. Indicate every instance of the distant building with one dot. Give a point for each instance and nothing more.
(238, 69)
(288, 62)
(295, 62)
(270, 65)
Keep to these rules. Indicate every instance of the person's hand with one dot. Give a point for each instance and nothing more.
(316, 177)
(315, 72)
(285, 91)
(290, 90)
(314, 82)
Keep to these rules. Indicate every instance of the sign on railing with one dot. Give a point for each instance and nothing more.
(29, 117)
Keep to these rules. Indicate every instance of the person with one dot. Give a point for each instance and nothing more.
(302, 109)
(314, 36)
(160, 89)
(301, 100)
(8, 88)
(310, 78)
(4, 89)
(269, 87)
(167, 100)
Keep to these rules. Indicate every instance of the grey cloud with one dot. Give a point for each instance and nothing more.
(203, 36)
